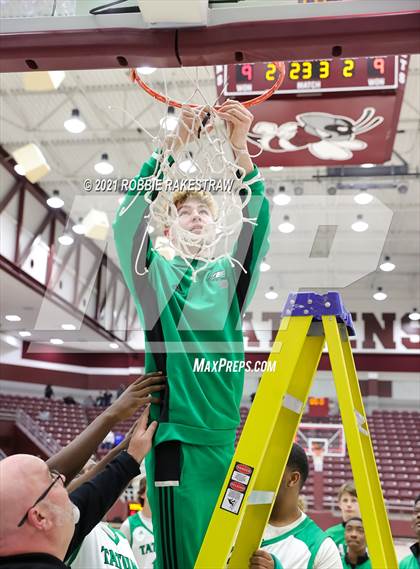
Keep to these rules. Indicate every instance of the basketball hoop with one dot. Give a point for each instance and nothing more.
(208, 156)
(173, 103)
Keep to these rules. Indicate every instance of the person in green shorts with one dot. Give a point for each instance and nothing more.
(349, 506)
(186, 319)
(291, 539)
(412, 561)
(357, 556)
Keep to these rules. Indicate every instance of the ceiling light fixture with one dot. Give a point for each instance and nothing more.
(56, 341)
(104, 166)
(188, 165)
(415, 315)
(13, 318)
(286, 226)
(19, 169)
(66, 239)
(79, 228)
(387, 266)
(75, 125)
(169, 122)
(68, 326)
(24, 334)
(363, 197)
(271, 294)
(359, 226)
(114, 346)
(264, 266)
(281, 198)
(55, 201)
(379, 294)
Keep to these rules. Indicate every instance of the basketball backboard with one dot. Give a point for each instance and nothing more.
(327, 437)
(200, 32)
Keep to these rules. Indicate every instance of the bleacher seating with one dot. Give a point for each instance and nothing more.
(396, 441)
(395, 437)
(65, 422)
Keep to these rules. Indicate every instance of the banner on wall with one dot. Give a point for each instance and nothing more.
(387, 332)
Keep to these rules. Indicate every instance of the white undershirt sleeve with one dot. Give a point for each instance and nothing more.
(328, 556)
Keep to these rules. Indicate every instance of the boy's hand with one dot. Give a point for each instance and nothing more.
(137, 394)
(190, 121)
(261, 560)
(141, 439)
(238, 120)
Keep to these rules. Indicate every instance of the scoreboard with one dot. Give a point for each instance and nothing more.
(314, 76)
(318, 406)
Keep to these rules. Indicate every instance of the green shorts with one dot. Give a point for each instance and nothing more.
(183, 484)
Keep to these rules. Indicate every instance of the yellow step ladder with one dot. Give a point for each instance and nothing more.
(243, 508)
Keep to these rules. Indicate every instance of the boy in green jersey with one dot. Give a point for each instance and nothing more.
(412, 561)
(354, 535)
(138, 529)
(291, 539)
(184, 320)
(349, 506)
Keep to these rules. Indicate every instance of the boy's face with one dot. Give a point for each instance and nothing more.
(355, 536)
(349, 506)
(194, 215)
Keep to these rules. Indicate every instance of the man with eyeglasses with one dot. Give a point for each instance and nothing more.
(40, 523)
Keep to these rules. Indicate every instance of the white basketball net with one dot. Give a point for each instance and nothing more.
(206, 163)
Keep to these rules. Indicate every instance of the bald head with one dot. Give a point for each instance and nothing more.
(49, 525)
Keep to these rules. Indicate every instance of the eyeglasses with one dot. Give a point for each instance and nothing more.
(56, 477)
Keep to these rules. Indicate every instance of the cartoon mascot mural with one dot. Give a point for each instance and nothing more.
(326, 136)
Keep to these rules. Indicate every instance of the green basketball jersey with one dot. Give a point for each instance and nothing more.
(186, 320)
(336, 533)
(102, 548)
(139, 532)
(412, 561)
(299, 546)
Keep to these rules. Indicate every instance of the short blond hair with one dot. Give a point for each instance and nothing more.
(347, 488)
(206, 198)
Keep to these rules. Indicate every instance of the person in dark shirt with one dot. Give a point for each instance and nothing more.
(107, 398)
(93, 498)
(49, 392)
(41, 524)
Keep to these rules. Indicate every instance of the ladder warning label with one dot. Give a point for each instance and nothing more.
(238, 484)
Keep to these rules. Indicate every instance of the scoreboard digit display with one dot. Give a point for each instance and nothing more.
(314, 76)
(318, 406)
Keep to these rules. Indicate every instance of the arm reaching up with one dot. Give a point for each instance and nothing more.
(71, 459)
(95, 497)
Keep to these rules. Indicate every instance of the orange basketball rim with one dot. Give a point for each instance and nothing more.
(249, 103)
